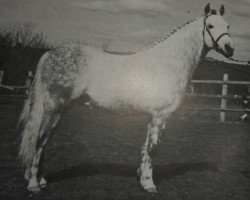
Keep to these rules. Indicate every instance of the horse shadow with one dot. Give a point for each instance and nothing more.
(161, 172)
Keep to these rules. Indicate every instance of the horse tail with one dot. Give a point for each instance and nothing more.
(26, 110)
(32, 116)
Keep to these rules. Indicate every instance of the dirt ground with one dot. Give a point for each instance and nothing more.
(94, 155)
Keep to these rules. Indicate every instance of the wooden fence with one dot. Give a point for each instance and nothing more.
(224, 96)
(16, 89)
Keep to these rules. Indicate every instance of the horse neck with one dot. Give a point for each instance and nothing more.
(185, 48)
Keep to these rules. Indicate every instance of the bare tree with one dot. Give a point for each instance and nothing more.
(25, 35)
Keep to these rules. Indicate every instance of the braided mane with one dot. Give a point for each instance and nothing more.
(170, 34)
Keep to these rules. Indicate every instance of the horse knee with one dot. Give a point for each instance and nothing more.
(157, 121)
(154, 135)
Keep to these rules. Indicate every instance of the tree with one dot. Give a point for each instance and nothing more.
(25, 34)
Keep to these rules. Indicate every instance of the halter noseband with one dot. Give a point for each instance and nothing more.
(215, 42)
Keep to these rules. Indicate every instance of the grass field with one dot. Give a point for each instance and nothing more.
(94, 154)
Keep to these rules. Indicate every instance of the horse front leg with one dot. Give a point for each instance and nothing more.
(145, 171)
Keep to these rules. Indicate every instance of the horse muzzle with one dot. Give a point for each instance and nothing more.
(226, 51)
(229, 50)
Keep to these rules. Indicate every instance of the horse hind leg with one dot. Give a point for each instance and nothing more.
(145, 170)
(34, 171)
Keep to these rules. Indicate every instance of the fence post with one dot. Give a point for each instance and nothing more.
(1, 76)
(223, 99)
(191, 88)
(28, 83)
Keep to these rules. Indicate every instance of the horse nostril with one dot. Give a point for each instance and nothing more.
(229, 49)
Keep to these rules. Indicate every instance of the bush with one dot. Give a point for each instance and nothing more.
(21, 47)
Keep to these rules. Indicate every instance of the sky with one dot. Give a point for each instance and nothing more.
(123, 25)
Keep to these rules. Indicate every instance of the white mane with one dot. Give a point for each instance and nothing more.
(169, 34)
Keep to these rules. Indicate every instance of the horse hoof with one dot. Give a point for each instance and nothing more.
(34, 189)
(152, 190)
(43, 183)
(148, 185)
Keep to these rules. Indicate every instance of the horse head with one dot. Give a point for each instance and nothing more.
(216, 32)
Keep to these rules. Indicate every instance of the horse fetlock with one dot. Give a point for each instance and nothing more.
(154, 139)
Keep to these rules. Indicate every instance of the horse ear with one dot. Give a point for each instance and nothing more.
(207, 9)
(222, 10)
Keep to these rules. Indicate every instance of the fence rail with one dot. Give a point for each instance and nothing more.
(218, 109)
(224, 96)
(17, 88)
(228, 96)
(221, 82)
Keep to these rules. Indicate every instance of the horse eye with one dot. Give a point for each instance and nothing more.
(210, 26)
(227, 27)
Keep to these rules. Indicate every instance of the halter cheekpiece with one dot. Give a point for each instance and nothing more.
(215, 42)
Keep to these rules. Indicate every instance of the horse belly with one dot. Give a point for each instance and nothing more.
(129, 87)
